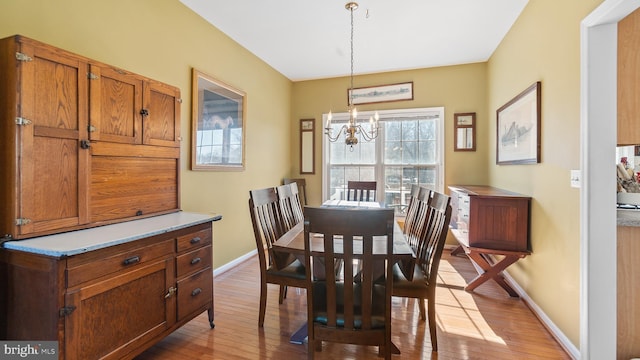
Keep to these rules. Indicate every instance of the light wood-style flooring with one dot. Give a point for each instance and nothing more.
(485, 324)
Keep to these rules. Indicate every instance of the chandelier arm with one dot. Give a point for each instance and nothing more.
(328, 131)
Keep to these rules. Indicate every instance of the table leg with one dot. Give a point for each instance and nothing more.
(491, 271)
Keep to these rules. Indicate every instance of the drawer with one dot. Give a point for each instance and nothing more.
(195, 292)
(116, 262)
(194, 240)
(193, 261)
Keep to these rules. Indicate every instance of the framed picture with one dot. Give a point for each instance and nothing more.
(378, 94)
(218, 125)
(307, 148)
(464, 132)
(518, 128)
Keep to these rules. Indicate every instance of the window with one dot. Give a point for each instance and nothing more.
(409, 150)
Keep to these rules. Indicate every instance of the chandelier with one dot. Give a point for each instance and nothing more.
(352, 127)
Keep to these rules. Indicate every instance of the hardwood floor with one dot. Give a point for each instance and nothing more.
(485, 324)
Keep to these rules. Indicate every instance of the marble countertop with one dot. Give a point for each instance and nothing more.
(628, 217)
(80, 241)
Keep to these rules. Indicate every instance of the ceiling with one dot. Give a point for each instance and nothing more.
(305, 39)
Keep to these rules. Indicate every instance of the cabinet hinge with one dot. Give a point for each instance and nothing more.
(92, 128)
(23, 57)
(92, 76)
(5, 238)
(67, 310)
(22, 121)
(22, 221)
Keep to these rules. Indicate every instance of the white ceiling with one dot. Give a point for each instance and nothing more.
(310, 39)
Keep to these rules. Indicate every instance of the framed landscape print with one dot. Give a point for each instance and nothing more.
(218, 125)
(518, 128)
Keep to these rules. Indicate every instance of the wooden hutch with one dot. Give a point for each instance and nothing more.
(95, 253)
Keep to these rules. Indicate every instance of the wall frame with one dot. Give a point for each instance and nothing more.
(518, 128)
(378, 94)
(307, 148)
(218, 125)
(464, 132)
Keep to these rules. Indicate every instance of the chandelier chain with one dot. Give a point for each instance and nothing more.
(351, 97)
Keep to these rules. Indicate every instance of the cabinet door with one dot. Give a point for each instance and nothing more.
(115, 105)
(115, 316)
(53, 177)
(161, 120)
(629, 79)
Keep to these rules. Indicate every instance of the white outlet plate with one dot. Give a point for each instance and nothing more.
(576, 178)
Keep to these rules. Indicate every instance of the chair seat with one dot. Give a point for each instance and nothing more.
(294, 270)
(378, 311)
(404, 287)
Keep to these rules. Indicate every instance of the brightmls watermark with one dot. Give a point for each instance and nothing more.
(45, 350)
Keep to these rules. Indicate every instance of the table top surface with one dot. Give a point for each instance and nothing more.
(293, 240)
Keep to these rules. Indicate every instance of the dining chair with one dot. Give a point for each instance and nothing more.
(433, 217)
(278, 268)
(302, 188)
(414, 222)
(361, 190)
(355, 306)
(290, 206)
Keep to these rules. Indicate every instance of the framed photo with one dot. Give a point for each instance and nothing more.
(378, 94)
(518, 128)
(307, 148)
(464, 132)
(218, 125)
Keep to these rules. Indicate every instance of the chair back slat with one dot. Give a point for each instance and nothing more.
(290, 205)
(266, 219)
(438, 216)
(361, 190)
(302, 188)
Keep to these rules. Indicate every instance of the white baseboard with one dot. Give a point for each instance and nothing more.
(230, 265)
(568, 346)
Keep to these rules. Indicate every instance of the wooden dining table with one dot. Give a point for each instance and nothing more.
(292, 242)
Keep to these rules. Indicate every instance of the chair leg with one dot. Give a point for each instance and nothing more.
(263, 303)
(423, 314)
(432, 324)
(283, 294)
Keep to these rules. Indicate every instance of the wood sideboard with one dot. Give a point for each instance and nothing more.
(490, 218)
(108, 292)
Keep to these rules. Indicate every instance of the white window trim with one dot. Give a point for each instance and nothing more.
(406, 113)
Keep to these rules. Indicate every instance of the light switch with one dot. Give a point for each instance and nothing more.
(576, 178)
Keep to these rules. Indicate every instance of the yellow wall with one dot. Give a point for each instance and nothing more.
(460, 88)
(163, 40)
(544, 45)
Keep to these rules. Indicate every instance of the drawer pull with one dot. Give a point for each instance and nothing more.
(195, 261)
(131, 260)
(196, 291)
(195, 240)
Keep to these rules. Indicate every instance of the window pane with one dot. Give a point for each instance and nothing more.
(409, 151)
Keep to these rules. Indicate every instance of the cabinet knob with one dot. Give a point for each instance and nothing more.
(195, 261)
(196, 291)
(195, 240)
(144, 112)
(85, 144)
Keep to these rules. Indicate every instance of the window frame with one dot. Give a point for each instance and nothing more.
(379, 166)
